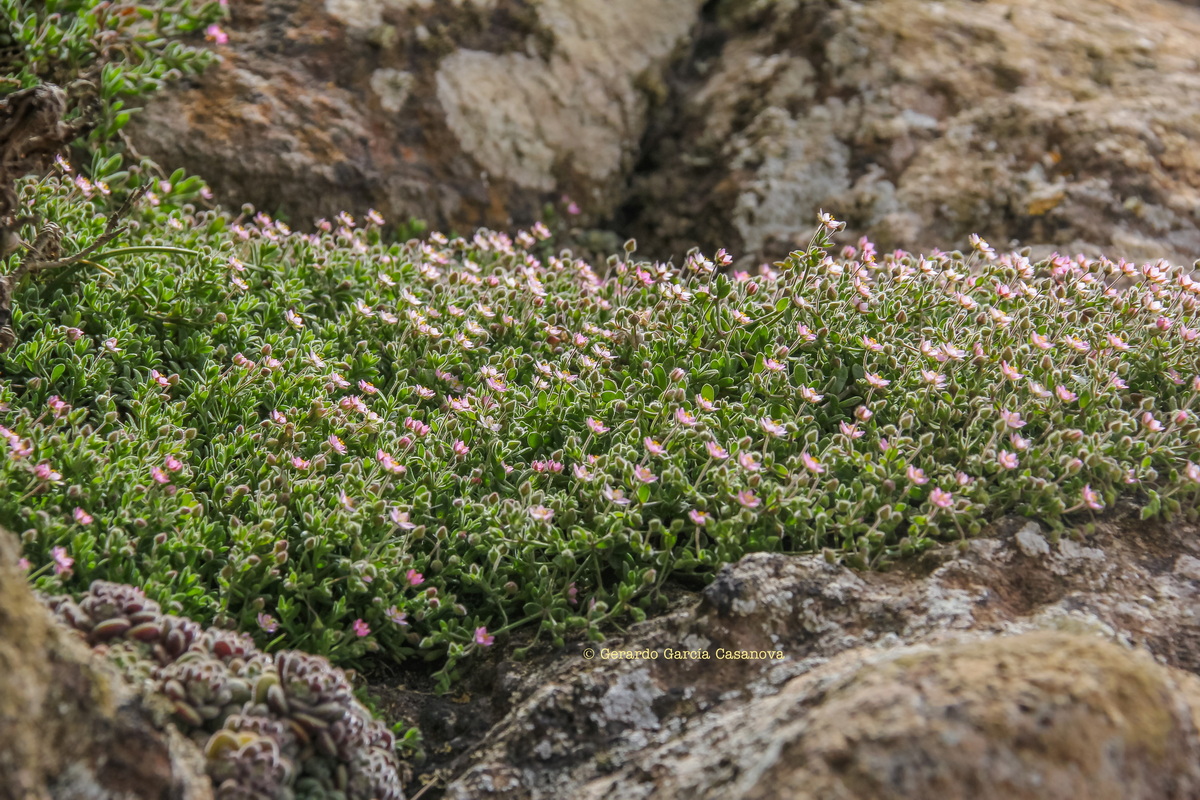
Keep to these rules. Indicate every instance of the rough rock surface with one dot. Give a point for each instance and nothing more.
(69, 727)
(1024, 667)
(1064, 124)
(463, 113)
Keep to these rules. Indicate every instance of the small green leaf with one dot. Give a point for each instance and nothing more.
(57, 372)
(708, 392)
(643, 493)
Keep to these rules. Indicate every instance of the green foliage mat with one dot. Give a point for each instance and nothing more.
(346, 445)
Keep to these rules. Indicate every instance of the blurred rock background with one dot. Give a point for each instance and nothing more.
(1060, 124)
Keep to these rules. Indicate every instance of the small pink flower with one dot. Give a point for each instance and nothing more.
(596, 425)
(541, 513)
(934, 379)
(963, 479)
(616, 496)
(653, 447)
(278, 418)
(23, 564)
(1065, 394)
(401, 518)
(62, 561)
(361, 628)
(390, 464)
(267, 622)
(1008, 460)
(353, 403)
(811, 464)
(1151, 423)
(748, 462)
(771, 427)
(810, 394)
(111, 345)
(58, 407)
(1009, 372)
(414, 578)
(397, 616)
(82, 517)
(416, 426)
(581, 472)
(1012, 419)
(698, 518)
(644, 475)
(877, 381)
(685, 417)
(1019, 442)
(337, 444)
(941, 499)
(460, 448)
(1079, 345)
(1040, 342)
(716, 451)
(367, 387)
(850, 431)
(159, 475)
(747, 499)
(483, 638)
(1192, 471)
(916, 475)
(1092, 499)
(214, 34)
(172, 463)
(862, 413)
(45, 473)
(299, 463)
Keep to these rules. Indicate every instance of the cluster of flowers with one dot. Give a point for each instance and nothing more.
(545, 441)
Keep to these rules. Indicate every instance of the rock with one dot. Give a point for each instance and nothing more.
(463, 114)
(1061, 124)
(1041, 715)
(69, 727)
(1188, 567)
(796, 677)
(1030, 541)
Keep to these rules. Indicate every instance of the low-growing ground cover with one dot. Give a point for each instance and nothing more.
(345, 445)
(356, 446)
